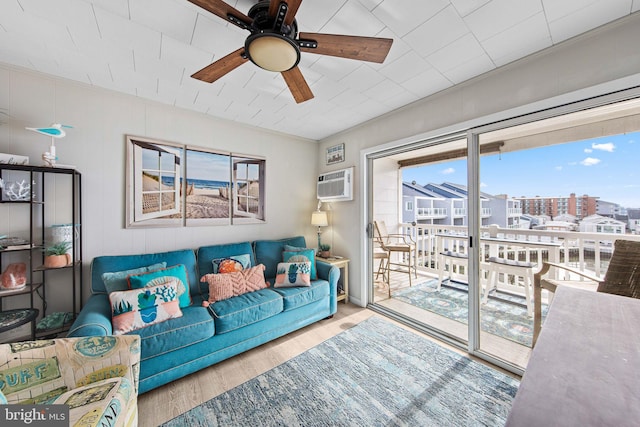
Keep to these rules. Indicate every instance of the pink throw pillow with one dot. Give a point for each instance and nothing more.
(227, 285)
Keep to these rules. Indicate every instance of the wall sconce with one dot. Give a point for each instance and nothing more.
(319, 219)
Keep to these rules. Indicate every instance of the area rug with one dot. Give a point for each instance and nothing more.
(504, 316)
(373, 374)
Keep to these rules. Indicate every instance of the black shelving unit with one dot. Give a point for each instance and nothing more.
(36, 217)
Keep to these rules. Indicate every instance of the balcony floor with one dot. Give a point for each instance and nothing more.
(502, 348)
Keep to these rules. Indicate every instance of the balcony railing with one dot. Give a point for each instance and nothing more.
(424, 213)
(459, 212)
(585, 251)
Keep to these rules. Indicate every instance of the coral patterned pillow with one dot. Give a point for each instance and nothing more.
(231, 264)
(224, 286)
(139, 308)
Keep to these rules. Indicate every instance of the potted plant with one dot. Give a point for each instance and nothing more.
(56, 255)
(324, 251)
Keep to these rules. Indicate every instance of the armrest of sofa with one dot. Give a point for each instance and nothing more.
(41, 371)
(94, 319)
(328, 272)
(331, 274)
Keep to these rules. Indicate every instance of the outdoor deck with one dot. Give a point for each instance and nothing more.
(589, 252)
(503, 348)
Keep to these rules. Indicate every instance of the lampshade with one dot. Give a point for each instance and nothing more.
(272, 52)
(319, 219)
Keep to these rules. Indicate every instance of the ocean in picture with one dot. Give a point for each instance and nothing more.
(202, 184)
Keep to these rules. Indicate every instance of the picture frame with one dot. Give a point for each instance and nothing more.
(174, 185)
(335, 154)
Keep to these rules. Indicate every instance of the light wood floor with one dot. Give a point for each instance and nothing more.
(167, 402)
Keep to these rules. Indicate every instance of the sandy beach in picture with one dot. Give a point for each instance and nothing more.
(206, 203)
(201, 202)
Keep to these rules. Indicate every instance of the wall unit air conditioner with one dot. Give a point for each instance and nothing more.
(336, 186)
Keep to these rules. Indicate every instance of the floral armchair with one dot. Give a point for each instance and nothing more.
(97, 377)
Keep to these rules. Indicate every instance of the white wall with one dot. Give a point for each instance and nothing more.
(604, 60)
(96, 146)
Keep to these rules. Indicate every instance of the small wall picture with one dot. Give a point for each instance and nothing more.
(335, 154)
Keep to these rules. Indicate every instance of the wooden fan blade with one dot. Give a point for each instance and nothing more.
(293, 5)
(297, 85)
(223, 10)
(222, 66)
(371, 49)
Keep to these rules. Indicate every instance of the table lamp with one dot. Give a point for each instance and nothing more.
(319, 219)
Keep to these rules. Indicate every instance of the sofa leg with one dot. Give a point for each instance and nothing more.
(329, 317)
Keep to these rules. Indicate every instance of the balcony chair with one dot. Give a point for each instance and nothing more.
(622, 278)
(396, 243)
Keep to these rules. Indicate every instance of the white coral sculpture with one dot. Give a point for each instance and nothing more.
(17, 190)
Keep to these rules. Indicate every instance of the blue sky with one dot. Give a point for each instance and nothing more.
(607, 167)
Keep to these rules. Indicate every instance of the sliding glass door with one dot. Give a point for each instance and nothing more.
(560, 189)
(420, 196)
(484, 209)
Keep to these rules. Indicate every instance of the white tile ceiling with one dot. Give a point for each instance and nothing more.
(149, 48)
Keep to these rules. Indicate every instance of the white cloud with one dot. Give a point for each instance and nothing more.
(590, 161)
(483, 185)
(607, 146)
(558, 168)
(588, 150)
(448, 171)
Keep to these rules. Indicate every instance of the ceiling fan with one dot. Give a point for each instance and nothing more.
(275, 44)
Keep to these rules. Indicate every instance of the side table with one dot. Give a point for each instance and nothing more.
(10, 319)
(343, 264)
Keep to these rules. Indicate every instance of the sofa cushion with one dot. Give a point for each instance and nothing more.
(231, 264)
(302, 255)
(151, 278)
(245, 309)
(107, 263)
(194, 326)
(206, 255)
(300, 296)
(227, 285)
(293, 274)
(140, 308)
(269, 253)
(117, 280)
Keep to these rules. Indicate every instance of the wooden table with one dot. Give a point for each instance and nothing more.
(342, 263)
(585, 367)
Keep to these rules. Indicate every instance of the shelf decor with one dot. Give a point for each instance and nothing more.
(14, 276)
(52, 190)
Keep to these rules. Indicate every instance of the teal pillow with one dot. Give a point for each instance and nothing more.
(117, 280)
(302, 255)
(157, 277)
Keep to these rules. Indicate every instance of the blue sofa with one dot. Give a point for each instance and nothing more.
(204, 336)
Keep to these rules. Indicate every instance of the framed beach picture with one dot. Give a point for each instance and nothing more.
(335, 154)
(173, 185)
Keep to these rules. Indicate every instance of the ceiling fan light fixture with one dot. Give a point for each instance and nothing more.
(272, 51)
